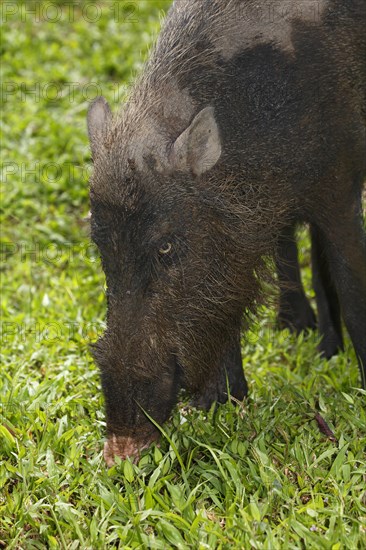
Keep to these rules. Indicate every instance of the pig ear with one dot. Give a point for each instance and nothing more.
(198, 148)
(99, 113)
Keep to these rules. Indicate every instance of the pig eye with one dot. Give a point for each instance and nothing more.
(165, 249)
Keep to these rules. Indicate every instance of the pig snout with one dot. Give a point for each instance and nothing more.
(126, 447)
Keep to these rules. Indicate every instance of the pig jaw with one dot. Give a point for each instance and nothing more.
(126, 447)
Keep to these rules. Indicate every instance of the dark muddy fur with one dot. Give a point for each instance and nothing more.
(184, 249)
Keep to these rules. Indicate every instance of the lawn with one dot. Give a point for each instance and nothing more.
(255, 475)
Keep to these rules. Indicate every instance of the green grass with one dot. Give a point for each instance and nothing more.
(259, 475)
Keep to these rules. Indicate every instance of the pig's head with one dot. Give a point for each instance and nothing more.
(169, 243)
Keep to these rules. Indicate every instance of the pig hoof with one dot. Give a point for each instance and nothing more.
(124, 447)
(297, 322)
(203, 403)
(330, 345)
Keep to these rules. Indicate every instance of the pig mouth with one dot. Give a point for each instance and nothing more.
(126, 447)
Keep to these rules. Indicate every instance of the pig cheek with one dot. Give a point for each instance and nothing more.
(125, 447)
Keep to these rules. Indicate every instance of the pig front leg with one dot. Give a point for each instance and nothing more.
(329, 311)
(295, 312)
(230, 375)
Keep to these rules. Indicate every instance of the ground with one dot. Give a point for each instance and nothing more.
(254, 475)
